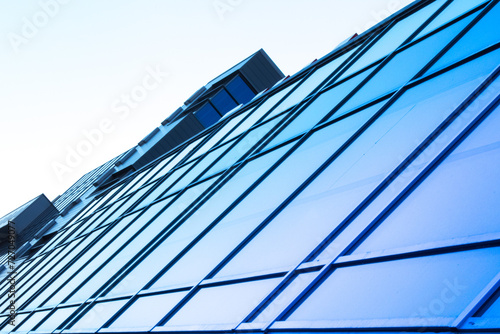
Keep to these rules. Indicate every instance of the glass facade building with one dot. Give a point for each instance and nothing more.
(358, 195)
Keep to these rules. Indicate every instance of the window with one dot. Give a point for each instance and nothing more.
(239, 90)
(207, 115)
(223, 102)
(227, 304)
(426, 291)
(483, 34)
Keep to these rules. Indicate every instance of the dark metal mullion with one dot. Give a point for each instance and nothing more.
(154, 188)
(208, 136)
(151, 246)
(311, 178)
(371, 75)
(487, 304)
(250, 112)
(213, 106)
(231, 96)
(6, 291)
(325, 272)
(146, 171)
(33, 269)
(209, 228)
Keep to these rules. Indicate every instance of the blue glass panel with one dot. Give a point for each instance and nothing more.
(404, 66)
(207, 115)
(147, 311)
(56, 319)
(462, 190)
(98, 315)
(223, 102)
(422, 109)
(178, 239)
(286, 296)
(394, 37)
(227, 304)
(240, 91)
(482, 35)
(453, 10)
(420, 289)
(318, 109)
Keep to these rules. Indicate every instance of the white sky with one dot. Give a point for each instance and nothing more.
(60, 74)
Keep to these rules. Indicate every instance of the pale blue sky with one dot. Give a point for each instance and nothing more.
(64, 63)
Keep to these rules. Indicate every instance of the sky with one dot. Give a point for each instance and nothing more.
(67, 65)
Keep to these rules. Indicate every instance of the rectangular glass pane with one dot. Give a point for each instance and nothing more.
(394, 37)
(64, 284)
(98, 315)
(165, 184)
(118, 258)
(252, 210)
(317, 110)
(483, 34)
(404, 66)
(198, 168)
(260, 111)
(453, 10)
(286, 296)
(56, 319)
(227, 304)
(240, 90)
(220, 133)
(207, 115)
(463, 189)
(223, 102)
(418, 289)
(32, 321)
(146, 312)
